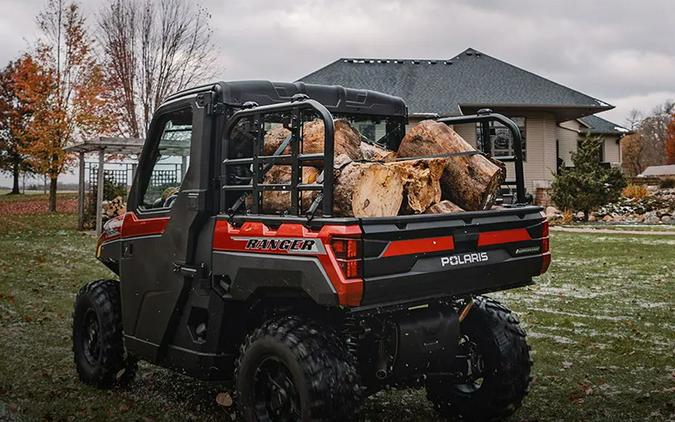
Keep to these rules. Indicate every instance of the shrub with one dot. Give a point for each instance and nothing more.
(635, 191)
(667, 183)
(588, 184)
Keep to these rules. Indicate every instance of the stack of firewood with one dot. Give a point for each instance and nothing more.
(371, 181)
(114, 207)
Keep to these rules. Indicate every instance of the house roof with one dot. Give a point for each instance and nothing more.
(667, 170)
(458, 85)
(598, 126)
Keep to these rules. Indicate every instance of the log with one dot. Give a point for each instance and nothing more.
(278, 201)
(421, 180)
(346, 140)
(471, 181)
(443, 207)
(273, 138)
(372, 152)
(367, 190)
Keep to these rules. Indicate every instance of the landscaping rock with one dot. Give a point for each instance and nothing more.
(666, 219)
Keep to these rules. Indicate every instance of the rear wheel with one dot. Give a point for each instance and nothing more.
(291, 369)
(98, 346)
(495, 349)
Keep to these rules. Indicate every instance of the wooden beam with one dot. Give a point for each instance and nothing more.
(80, 195)
(99, 194)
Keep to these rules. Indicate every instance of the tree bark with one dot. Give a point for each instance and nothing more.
(471, 181)
(15, 176)
(347, 140)
(52, 193)
(277, 201)
(372, 152)
(367, 190)
(443, 207)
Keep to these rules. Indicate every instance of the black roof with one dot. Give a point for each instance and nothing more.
(336, 99)
(598, 126)
(458, 85)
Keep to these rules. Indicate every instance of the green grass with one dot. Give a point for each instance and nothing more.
(600, 323)
(624, 227)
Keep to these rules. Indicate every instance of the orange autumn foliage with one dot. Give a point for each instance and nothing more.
(65, 83)
(670, 141)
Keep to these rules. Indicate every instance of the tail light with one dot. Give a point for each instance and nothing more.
(545, 248)
(348, 255)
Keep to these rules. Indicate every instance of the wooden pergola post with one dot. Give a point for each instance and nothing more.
(80, 195)
(99, 194)
(102, 145)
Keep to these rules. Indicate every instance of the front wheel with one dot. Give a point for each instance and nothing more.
(291, 369)
(98, 345)
(495, 349)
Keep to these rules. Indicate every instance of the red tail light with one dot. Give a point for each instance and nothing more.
(348, 255)
(545, 249)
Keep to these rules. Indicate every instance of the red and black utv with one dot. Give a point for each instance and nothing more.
(306, 313)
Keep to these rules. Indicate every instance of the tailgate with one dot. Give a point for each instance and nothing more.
(412, 257)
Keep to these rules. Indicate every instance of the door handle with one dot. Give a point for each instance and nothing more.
(127, 249)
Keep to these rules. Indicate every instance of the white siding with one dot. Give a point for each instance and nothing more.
(568, 135)
(540, 134)
(611, 150)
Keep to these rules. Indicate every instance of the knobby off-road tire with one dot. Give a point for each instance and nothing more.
(291, 369)
(98, 346)
(506, 377)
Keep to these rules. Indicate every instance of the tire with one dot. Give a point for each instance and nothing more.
(98, 346)
(501, 343)
(290, 369)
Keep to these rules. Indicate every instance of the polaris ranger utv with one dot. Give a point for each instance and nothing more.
(304, 312)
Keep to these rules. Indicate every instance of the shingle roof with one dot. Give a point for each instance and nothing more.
(599, 126)
(468, 80)
(667, 170)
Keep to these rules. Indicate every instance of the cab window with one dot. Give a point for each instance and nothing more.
(170, 162)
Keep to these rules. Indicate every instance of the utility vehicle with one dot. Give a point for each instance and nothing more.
(304, 312)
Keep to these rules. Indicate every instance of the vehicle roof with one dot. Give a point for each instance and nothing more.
(336, 99)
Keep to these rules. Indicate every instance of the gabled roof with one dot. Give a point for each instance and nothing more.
(454, 86)
(598, 126)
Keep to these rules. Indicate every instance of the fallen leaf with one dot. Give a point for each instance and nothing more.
(224, 399)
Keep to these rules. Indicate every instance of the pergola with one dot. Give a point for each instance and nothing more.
(102, 145)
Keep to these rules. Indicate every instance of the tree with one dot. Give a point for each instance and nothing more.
(631, 153)
(588, 184)
(670, 141)
(153, 48)
(66, 84)
(15, 117)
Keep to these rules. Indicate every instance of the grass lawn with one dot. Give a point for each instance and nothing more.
(600, 323)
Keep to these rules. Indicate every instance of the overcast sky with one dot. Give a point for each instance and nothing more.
(620, 51)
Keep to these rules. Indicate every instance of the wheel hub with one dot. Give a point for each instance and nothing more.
(92, 338)
(276, 397)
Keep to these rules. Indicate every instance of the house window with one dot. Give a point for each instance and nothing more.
(500, 138)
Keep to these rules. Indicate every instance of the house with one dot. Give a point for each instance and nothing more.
(552, 117)
(662, 172)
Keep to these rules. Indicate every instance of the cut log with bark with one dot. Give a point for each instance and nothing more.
(443, 207)
(347, 140)
(279, 201)
(421, 180)
(275, 137)
(470, 181)
(367, 190)
(372, 152)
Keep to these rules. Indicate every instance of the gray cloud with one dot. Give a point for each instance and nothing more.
(617, 50)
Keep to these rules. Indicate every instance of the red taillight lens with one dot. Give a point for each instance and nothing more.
(545, 262)
(348, 255)
(545, 248)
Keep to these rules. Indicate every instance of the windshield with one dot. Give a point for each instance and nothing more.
(385, 131)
